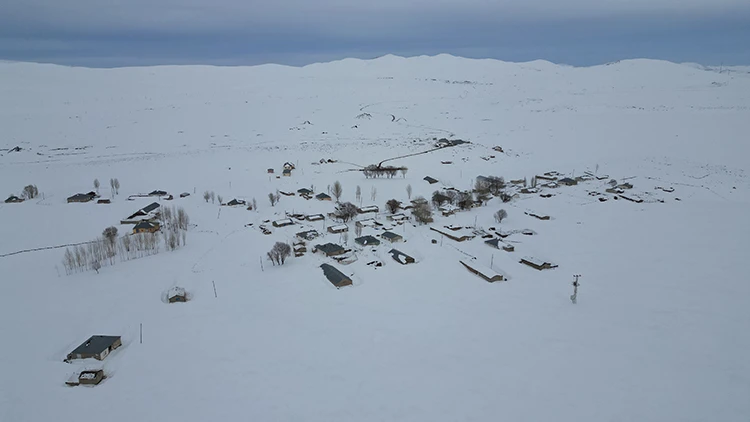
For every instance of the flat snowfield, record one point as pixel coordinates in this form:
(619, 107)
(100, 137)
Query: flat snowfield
(660, 331)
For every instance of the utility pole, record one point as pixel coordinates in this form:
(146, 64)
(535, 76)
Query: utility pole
(574, 296)
(214, 283)
(141, 333)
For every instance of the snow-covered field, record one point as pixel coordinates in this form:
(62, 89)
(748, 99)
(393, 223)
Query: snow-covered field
(659, 333)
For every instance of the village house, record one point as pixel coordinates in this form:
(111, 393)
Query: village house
(546, 176)
(625, 185)
(13, 199)
(91, 377)
(322, 197)
(305, 191)
(430, 180)
(308, 235)
(97, 347)
(339, 228)
(315, 217)
(158, 193)
(336, 277)
(367, 241)
(236, 202)
(369, 208)
(537, 263)
(286, 172)
(448, 209)
(397, 217)
(82, 197)
(283, 222)
(146, 227)
(567, 181)
(286, 193)
(288, 166)
(184, 195)
(176, 294)
(147, 213)
(330, 249)
(499, 244)
(498, 148)
(529, 190)
(486, 273)
(632, 198)
(368, 222)
(391, 237)
(458, 236)
(401, 257)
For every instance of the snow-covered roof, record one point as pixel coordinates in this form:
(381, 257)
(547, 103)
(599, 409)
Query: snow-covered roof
(370, 222)
(338, 227)
(283, 221)
(448, 208)
(486, 272)
(370, 208)
(536, 261)
(89, 375)
(398, 217)
(176, 292)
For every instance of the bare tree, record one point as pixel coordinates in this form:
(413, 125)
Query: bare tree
(403, 171)
(279, 253)
(408, 191)
(213, 197)
(96, 265)
(206, 196)
(422, 211)
(392, 205)
(110, 236)
(357, 230)
(373, 193)
(30, 192)
(345, 211)
(500, 215)
(183, 220)
(112, 186)
(358, 194)
(96, 185)
(272, 199)
(221, 200)
(337, 190)
(533, 182)
(117, 186)
(439, 198)
(255, 204)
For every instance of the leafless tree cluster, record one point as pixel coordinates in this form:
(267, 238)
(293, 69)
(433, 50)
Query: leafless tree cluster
(500, 216)
(30, 192)
(373, 193)
(102, 251)
(373, 171)
(279, 253)
(206, 196)
(490, 184)
(392, 205)
(345, 211)
(358, 194)
(220, 199)
(96, 185)
(273, 198)
(172, 217)
(422, 210)
(115, 185)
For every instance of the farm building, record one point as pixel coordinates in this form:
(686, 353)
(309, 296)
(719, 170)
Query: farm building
(146, 227)
(486, 273)
(540, 216)
(13, 199)
(235, 202)
(104, 201)
(367, 241)
(336, 277)
(269, 171)
(184, 195)
(625, 185)
(499, 244)
(176, 294)
(567, 181)
(147, 213)
(82, 197)
(370, 208)
(448, 209)
(398, 217)
(330, 249)
(323, 197)
(458, 236)
(286, 172)
(308, 235)
(283, 222)
(339, 228)
(430, 180)
(498, 148)
(158, 193)
(315, 217)
(97, 347)
(529, 190)
(304, 191)
(537, 263)
(391, 237)
(401, 257)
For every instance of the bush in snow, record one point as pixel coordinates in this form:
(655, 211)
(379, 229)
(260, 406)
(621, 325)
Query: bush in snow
(500, 215)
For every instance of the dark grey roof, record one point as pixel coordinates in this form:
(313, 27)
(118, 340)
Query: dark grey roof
(158, 193)
(567, 180)
(150, 207)
(430, 179)
(95, 345)
(367, 240)
(493, 242)
(144, 225)
(398, 255)
(236, 202)
(85, 196)
(333, 275)
(309, 234)
(305, 191)
(390, 235)
(329, 248)
(322, 195)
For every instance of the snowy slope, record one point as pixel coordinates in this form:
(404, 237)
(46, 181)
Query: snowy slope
(659, 331)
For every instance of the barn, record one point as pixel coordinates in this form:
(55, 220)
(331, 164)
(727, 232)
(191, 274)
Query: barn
(97, 347)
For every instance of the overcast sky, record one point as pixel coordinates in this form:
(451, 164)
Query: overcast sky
(577, 32)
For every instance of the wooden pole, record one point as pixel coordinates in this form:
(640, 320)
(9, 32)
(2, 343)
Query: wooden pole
(141, 333)
(214, 283)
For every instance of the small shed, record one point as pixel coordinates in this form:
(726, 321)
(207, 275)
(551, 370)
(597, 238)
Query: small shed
(158, 193)
(304, 191)
(184, 194)
(369, 208)
(315, 217)
(176, 294)
(368, 222)
(339, 228)
(269, 171)
(540, 216)
(104, 201)
(486, 273)
(97, 347)
(146, 227)
(336, 277)
(430, 180)
(235, 202)
(401, 257)
(567, 181)
(367, 241)
(283, 222)
(91, 377)
(537, 263)
(322, 197)
(391, 236)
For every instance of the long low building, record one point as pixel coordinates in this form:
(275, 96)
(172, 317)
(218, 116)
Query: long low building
(336, 277)
(486, 273)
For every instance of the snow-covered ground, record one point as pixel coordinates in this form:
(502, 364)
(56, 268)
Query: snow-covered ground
(659, 333)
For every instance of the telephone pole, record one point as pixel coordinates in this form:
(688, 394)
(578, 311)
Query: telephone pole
(574, 296)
